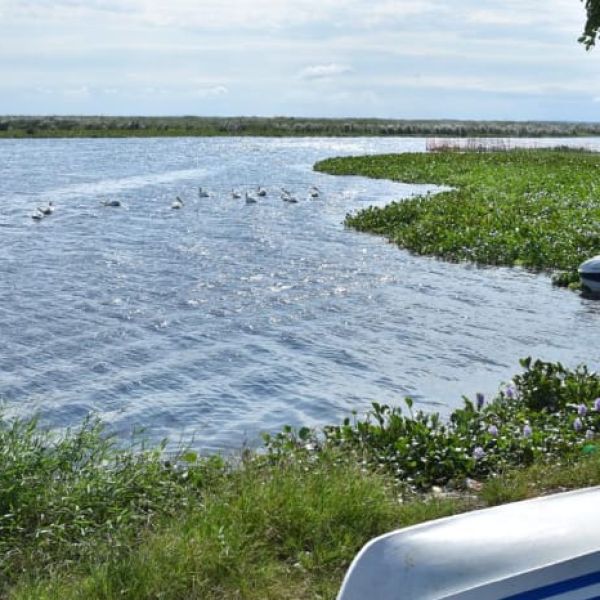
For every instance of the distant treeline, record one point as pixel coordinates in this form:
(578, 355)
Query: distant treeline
(99, 126)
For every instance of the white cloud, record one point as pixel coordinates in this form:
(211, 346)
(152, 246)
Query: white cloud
(324, 71)
(382, 12)
(492, 84)
(78, 93)
(551, 16)
(152, 91)
(217, 90)
(260, 15)
(286, 55)
(502, 17)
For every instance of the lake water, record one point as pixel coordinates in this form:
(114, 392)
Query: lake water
(222, 320)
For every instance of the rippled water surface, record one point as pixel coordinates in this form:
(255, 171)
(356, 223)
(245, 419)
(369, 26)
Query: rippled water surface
(223, 319)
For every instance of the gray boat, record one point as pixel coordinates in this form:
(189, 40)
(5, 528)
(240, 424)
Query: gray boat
(589, 274)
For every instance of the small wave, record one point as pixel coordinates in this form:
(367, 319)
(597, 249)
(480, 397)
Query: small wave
(113, 186)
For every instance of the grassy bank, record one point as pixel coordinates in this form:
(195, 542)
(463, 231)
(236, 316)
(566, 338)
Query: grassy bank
(81, 517)
(534, 208)
(135, 126)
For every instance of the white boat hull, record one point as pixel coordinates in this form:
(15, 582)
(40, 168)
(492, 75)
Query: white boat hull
(543, 548)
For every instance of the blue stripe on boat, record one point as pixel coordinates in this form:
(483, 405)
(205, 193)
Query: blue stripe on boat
(562, 587)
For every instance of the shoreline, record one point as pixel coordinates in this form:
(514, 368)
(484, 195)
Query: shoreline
(84, 518)
(19, 127)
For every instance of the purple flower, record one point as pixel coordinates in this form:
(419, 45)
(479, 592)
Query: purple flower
(478, 453)
(527, 431)
(589, 434)
(493, 430)
(597, 404)
(577, 424)
(480, 400)
(582, 410)
(510, 392)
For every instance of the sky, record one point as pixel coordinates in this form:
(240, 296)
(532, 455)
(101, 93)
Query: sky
(406, 59)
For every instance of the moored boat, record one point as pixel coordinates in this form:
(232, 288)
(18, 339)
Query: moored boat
(548, 547)
(589, 274)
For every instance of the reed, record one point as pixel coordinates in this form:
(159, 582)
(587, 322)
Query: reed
(480, 144)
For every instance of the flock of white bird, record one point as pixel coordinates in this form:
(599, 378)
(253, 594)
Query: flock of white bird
(284, 194)
(250, 198)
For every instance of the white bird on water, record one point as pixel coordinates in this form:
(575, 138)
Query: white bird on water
(261, 191)
(177, 204)
(235, 195)
(314, 191)
(287, 196)
(250, 199)
(202, 193)
(46, 210)
(42, 211)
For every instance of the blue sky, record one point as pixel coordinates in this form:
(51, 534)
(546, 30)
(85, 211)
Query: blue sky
(466, 59)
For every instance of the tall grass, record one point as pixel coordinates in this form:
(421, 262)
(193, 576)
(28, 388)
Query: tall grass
(81, 496)
(285, 529)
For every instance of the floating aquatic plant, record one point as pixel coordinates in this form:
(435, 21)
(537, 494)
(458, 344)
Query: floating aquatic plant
(533, 423)
(527, 208)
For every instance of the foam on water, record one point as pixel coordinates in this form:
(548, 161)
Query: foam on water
(124, 184)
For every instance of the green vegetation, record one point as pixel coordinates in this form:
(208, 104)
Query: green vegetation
(84, 518)
(592, 23)
(97, 126)
(547, 415)
(539, 209)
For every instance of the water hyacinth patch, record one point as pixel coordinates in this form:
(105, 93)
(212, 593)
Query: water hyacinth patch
(478, 453)
(534, 423)
(527, 208)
